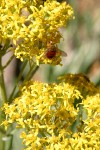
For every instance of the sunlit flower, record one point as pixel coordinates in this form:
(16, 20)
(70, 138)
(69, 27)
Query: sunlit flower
(31, 25)
(57, 116)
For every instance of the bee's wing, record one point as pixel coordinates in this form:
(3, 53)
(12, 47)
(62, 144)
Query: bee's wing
(64, 54)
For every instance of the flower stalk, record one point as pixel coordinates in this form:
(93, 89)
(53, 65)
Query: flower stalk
(2, 84)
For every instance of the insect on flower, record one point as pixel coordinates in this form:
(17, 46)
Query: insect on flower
(52, 50)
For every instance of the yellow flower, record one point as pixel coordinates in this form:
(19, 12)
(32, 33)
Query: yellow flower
(30, 25)
(57, 116)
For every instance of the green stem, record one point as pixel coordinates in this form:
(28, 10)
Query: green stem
(11, 142)
(2, 131)
(3, 97)
(10, 134)
(2, 83)
(17, 81)
(9, 61)
(31, 72)
(29, 75)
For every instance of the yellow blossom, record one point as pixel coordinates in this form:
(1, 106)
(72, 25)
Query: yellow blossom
(57, 116)
(30, 25)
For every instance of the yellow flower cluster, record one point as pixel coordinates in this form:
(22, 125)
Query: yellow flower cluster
(31, 25)
(59, 116)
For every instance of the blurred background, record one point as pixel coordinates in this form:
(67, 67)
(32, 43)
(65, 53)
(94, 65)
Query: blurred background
(81, 42)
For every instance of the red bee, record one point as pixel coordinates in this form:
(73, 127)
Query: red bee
(52, 51)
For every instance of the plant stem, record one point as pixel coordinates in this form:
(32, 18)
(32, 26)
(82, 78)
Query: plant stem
(31, 72)
(2, 131)
(2, 83)
(3, 97)
(29, 75)
(17, 81)
(11, 142)
(9, 61)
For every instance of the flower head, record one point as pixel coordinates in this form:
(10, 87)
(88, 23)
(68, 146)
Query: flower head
(30, 25)
(48, 113)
